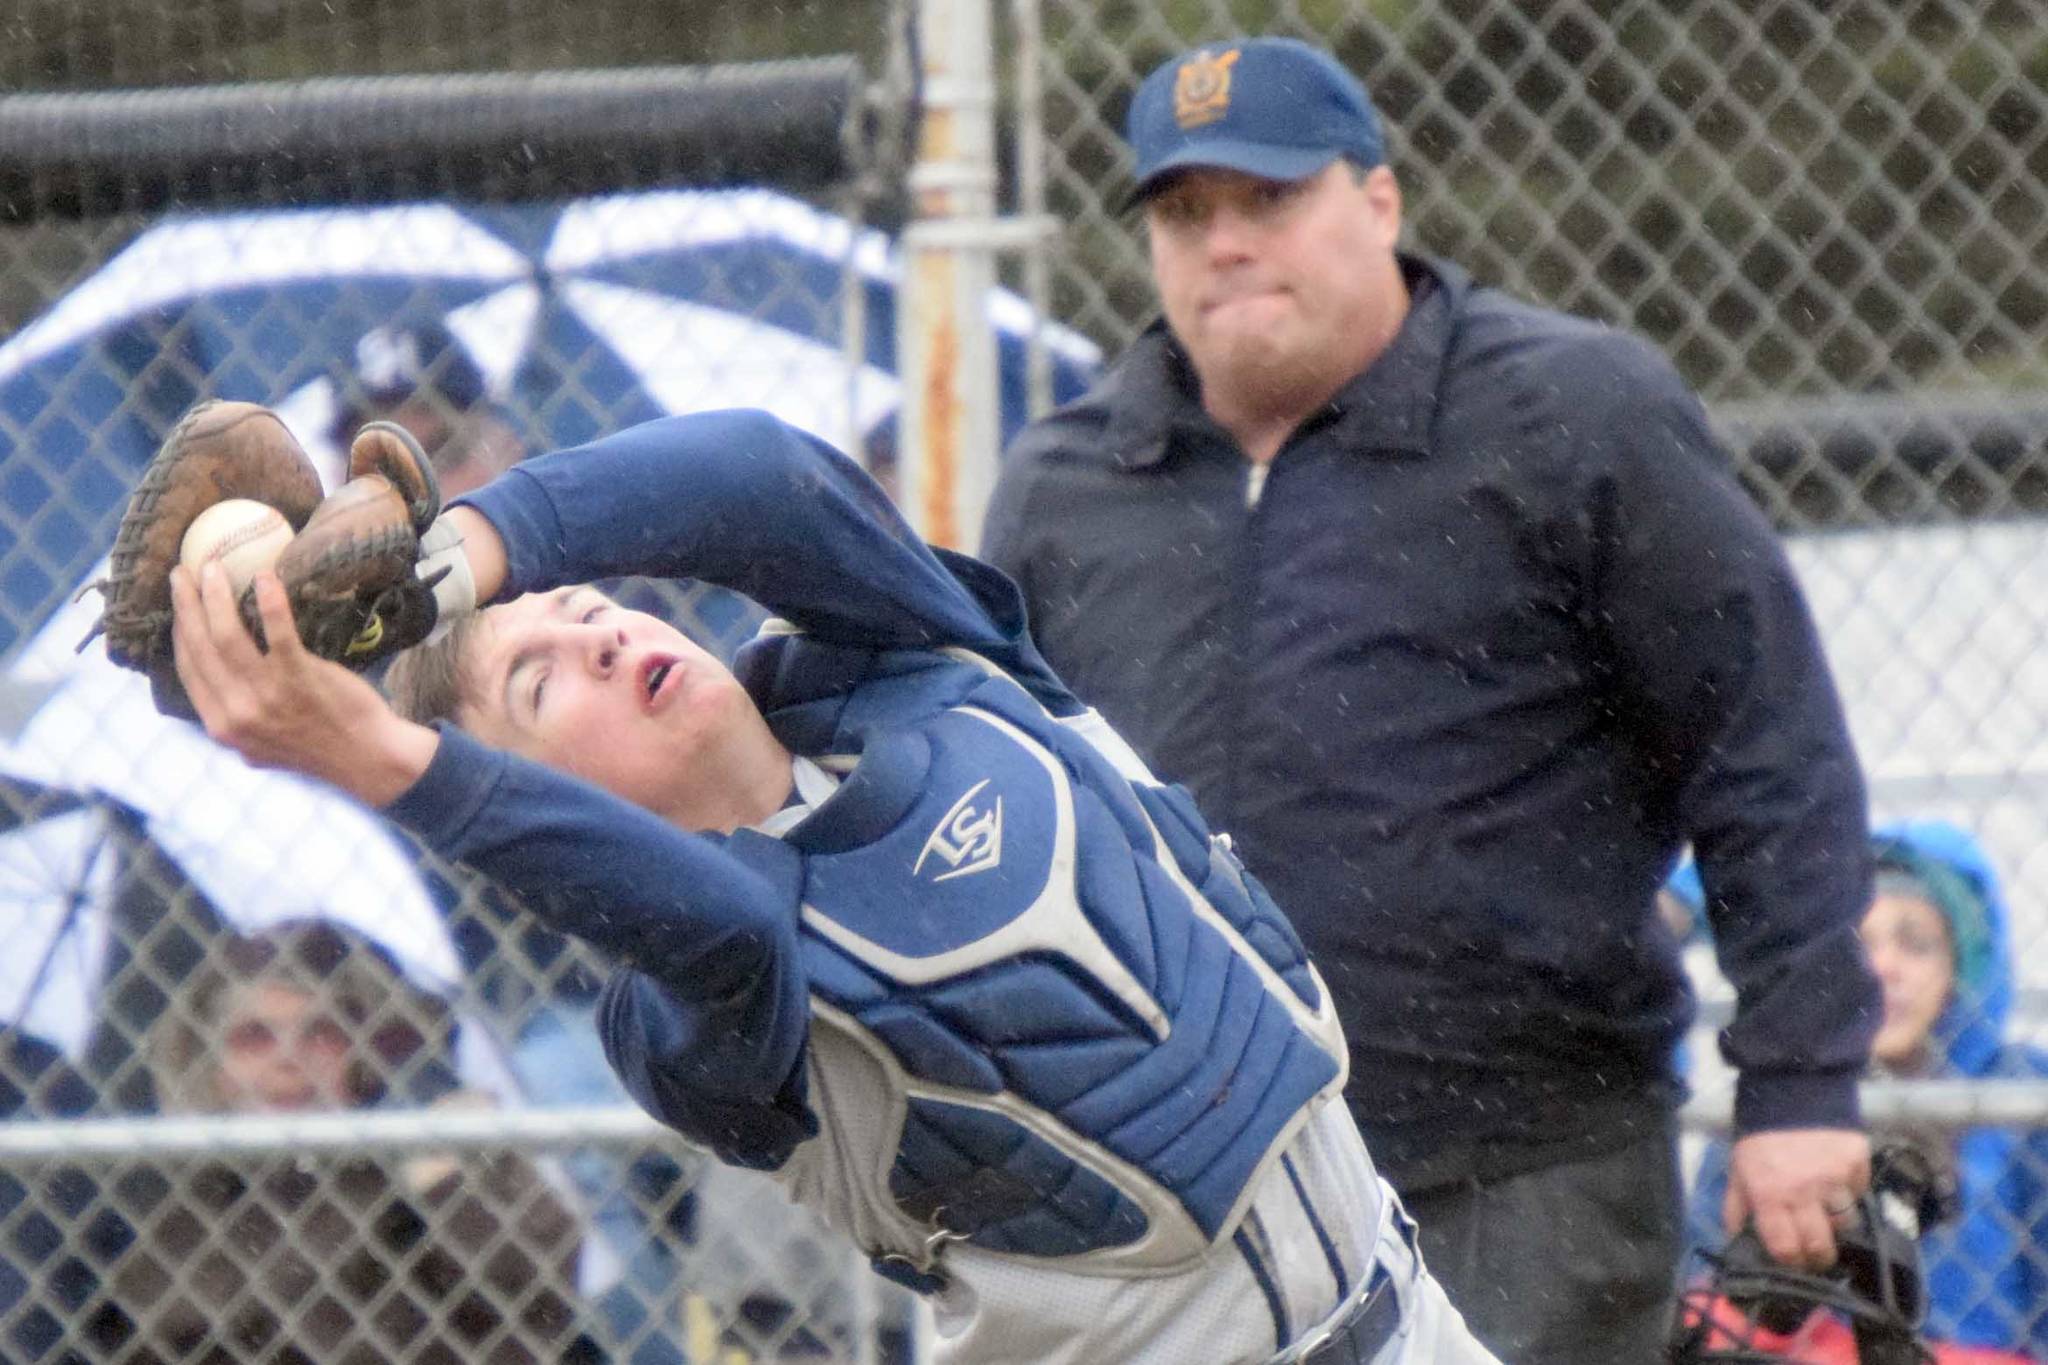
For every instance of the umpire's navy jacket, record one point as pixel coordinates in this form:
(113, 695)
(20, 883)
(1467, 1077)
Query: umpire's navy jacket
(1494, 635)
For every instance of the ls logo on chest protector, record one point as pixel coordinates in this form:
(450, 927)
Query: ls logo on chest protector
(969, 838)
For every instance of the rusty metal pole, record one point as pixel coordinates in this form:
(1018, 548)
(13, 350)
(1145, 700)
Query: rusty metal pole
(945, 347)
(1027, 23)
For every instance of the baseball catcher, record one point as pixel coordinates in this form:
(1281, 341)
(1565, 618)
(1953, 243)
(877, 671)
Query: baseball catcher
(348, 568)
(897, 919)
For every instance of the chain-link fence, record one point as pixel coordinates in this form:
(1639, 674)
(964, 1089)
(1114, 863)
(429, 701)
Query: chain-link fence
(1790, 198)
(1833, 216)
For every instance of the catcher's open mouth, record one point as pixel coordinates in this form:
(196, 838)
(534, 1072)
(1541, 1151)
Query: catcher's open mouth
(655, 673)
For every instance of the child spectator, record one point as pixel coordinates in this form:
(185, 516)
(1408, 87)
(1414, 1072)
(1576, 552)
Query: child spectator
(1939, 938)
(348, 1259)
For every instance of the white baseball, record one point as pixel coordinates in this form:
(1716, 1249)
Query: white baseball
(242, 535)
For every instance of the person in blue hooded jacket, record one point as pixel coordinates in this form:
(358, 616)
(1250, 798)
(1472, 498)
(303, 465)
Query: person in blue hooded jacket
(1939, 938)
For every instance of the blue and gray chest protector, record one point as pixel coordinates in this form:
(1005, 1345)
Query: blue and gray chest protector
(1104, 1029)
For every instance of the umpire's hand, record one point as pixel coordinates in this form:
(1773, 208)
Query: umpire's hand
(1797, 1185)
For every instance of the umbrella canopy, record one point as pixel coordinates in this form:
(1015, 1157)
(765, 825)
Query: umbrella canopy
(108, 905)
(56, 856)
(582, 318)
(262, 847)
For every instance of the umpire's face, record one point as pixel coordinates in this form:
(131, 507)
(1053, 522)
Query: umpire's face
(620, 698)
(1279, 290)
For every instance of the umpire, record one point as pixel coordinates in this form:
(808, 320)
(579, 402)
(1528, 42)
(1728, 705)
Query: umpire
(1452, 612)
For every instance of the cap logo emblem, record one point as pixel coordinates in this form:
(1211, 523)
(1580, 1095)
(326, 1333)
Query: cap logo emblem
(1201, 88)
(388, 359)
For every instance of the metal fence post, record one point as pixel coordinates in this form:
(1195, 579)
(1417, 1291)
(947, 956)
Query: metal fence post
(945, 351)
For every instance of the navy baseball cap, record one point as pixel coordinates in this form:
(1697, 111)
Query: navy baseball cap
(397, 361)
(1277, 108)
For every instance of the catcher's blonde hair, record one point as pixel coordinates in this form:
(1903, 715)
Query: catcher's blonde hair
(430, 682)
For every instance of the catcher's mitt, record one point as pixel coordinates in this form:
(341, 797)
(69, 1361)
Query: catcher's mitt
(348, 569)
(218, 450)
(350, 572)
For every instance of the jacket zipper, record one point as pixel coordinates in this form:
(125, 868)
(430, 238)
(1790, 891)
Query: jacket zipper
(1246, 596)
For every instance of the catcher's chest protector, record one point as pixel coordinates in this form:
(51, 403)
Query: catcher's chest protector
(1103, 1031)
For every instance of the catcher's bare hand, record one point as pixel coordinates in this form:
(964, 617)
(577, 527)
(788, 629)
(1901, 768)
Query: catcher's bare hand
(1797, 1185)
(285, 707)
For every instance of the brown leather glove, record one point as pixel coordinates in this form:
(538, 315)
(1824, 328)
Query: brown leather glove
(349, 569)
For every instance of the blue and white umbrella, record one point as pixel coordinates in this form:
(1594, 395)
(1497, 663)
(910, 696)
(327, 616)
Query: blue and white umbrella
(294, 852)
(583, 318)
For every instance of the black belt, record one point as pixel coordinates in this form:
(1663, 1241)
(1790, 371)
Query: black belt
(1371, 1316)
(1370, 1325)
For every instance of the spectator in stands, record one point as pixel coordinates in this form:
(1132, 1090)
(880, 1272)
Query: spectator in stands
(1939, 938)
(306, 1016)
(467, 1257)
(419, 375)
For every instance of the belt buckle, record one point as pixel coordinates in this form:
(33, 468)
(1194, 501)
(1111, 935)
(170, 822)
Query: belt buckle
(1379, 1281)
(921, 1273)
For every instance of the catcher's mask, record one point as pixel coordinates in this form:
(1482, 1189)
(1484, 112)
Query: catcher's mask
(1875, 1284)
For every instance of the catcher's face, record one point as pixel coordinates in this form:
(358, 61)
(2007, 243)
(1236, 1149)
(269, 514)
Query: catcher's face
(1279, 291)
(620, 698)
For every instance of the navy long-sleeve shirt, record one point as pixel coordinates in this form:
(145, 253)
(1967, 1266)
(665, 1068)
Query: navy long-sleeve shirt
(1088, 1053)
(1498, 635)
(741, 500)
